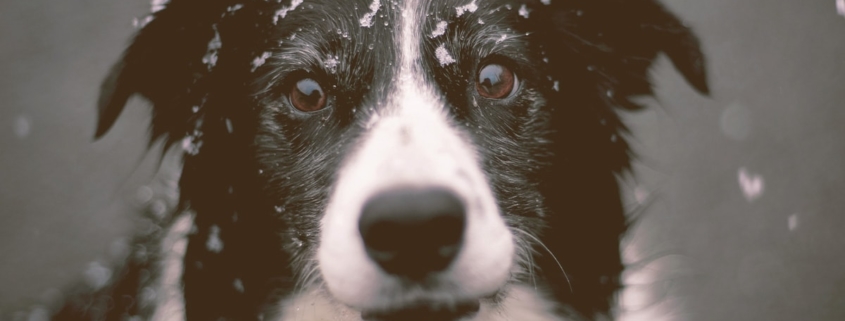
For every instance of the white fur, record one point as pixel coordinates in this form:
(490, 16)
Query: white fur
(169, 294)
(412, 142)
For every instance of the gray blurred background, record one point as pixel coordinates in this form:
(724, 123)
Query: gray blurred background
(744, 188)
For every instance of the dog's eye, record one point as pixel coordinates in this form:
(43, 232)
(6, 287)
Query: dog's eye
(495, 81)
(307, 95)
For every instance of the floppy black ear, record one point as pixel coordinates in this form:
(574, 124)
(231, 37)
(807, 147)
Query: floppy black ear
(599, 56)
(622, 38)
(164, 64)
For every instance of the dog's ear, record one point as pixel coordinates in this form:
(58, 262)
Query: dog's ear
(599, 56)
(164, 64)
(620, 39)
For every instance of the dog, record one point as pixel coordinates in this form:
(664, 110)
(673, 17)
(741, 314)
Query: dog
(387, 159)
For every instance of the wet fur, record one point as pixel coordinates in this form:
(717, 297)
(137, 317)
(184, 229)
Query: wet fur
(262, 177)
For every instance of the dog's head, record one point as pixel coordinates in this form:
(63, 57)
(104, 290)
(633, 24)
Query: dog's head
(394, 158)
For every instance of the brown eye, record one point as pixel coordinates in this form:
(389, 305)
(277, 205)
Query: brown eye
(307, 95)
(495, 81)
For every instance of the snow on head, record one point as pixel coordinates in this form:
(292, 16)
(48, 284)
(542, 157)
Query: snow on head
(281, 13)
(367, 20)
(440, 29)
(523, 11)
(502, 38)
(471, 7)
(331, 64)
(546, 2)
(443, 56)
(260, 60)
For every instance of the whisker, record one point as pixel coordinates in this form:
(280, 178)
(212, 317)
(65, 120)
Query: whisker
(308, 277)
(529, 259)
(532, 269)
(537, 240)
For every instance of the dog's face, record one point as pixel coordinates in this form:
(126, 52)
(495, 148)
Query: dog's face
(442, 160)
(387, 131)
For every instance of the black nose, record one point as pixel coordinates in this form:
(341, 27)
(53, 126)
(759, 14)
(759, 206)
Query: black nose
(413, 232)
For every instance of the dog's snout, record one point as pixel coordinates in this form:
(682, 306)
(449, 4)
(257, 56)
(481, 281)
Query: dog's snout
(413, 232)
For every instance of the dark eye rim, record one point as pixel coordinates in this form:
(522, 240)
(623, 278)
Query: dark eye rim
(504, 62)
(292, 79)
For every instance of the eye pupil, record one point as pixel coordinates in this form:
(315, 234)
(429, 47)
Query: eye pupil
(307, 95)
(495, 81)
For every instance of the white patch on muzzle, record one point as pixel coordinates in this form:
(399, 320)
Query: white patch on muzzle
(412, 143)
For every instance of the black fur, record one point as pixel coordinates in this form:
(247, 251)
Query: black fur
(261, 173)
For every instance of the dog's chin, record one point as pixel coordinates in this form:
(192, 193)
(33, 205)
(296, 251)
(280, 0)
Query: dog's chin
(463, 311)
(516, 302)
(319, 304)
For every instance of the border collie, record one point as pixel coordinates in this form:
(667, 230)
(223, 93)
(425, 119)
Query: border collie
(387, 159)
